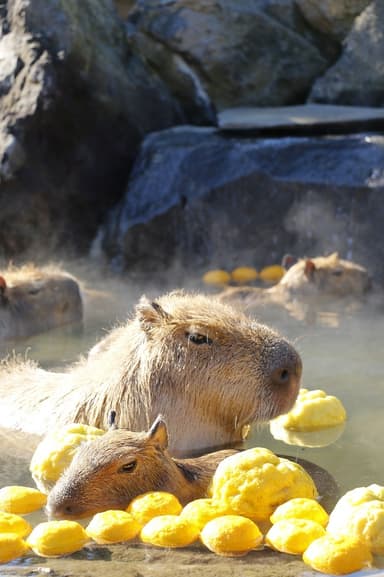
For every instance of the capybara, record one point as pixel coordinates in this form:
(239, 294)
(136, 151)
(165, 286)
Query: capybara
(34, 300)
(109, 472)
(312, 281)
(210, 370)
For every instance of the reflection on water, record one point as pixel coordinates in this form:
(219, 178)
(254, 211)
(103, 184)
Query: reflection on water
(344, 358)
(320, 438)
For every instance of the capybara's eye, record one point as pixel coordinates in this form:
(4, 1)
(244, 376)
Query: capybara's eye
(198, 339)
(128, 467)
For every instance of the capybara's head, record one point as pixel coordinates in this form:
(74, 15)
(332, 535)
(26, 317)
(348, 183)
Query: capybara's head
(110, 471)
(222, 365)
(328, 276)
(34, 300)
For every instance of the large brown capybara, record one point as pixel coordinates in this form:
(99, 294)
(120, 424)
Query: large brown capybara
(34, 300)
(309, 283)
(210, 370)
(110, 471)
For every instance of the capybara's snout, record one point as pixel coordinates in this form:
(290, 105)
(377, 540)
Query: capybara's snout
(289, 374)
(285, 374)
(60, 506)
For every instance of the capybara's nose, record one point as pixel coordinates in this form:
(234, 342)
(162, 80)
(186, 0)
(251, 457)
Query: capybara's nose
(60, 510)
(287, 374)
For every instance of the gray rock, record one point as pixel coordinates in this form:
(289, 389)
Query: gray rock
(124, 7)
(226, 201)
(358, 76)
(224, 53)
(308, 119)
(74, 106)
(332, 17)
(12, 156)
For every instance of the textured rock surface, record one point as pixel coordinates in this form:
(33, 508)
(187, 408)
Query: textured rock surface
(358, 76)
(229, 53)
(200, 199)
(81, 87)
(74, 105)
(332, 17)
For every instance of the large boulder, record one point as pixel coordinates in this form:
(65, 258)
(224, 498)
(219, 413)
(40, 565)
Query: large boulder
(332, 17)
(74, 105)
(215, 54)
(198, 198)
(358, 76)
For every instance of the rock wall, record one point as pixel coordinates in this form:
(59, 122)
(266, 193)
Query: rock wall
(198, 198)
(358, 75)
(74, 105)
(83, 83)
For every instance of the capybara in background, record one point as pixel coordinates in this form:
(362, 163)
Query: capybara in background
(210, 370)
(34, 300)
(110, 471)
(307, 283)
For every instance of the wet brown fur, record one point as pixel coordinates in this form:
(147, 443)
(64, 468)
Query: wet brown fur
(208, 392)
(96, 479)
(34, 300)
(309, 282)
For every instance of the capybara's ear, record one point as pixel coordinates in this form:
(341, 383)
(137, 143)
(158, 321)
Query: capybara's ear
(3, 292)
(333, 258)
(158, 432)
(150, 313)
(309, 269)
(288, 260)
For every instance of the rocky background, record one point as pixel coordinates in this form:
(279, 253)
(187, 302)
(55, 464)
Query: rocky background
(111, 143)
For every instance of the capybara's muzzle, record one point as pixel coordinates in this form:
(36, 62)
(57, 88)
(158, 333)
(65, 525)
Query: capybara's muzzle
(285, 376)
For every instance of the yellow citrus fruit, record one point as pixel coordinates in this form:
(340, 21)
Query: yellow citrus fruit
(358, 496)
(152, 504)
(301, 508)
(12, 546)
(313, 410)
(21, 500)
(272, 274)
(169, 531)
(56, 451)
(364, 522)
(293, 535)
(244, 274)
(254, 482)
(337, 555)
(112, 527)
(11, 523)
(231, 535)
(217, 277)
(55, 538)
(200, 511)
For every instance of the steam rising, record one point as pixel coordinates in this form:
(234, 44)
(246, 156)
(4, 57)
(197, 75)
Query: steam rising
(322, 225)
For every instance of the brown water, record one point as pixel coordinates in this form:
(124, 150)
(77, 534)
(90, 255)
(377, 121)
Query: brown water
(342, 355)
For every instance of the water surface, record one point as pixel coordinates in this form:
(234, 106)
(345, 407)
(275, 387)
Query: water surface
(341, 355)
